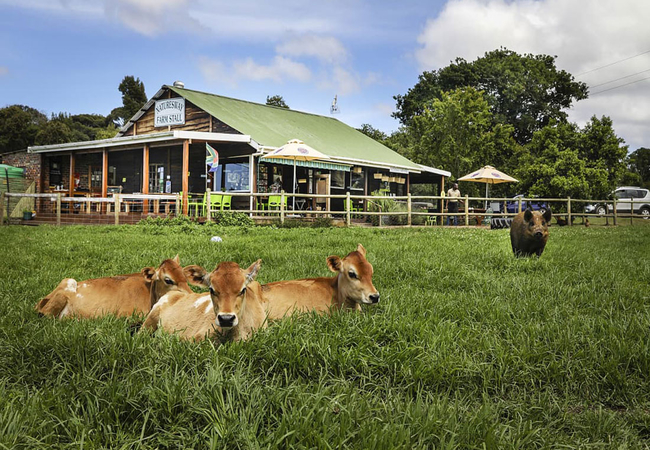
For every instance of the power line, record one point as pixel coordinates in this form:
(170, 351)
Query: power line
(622, 85)
(617, 79)
(611, 64)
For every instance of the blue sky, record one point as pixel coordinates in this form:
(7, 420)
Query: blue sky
(70, 55)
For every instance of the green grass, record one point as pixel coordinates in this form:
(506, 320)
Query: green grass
(468, 348)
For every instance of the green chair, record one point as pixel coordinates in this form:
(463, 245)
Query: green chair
(215, 202)
(197, 205)
(226, 201)
(431, 220)
(275, 200)
(353, 208)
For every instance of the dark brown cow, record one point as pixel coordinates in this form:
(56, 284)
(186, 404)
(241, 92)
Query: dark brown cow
(121, 295)
(351, 287)
(232, 308)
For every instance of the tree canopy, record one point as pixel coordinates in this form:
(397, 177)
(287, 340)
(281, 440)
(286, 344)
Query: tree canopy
(276, 100)
(19, 125)
(133, 98)
(525, 91)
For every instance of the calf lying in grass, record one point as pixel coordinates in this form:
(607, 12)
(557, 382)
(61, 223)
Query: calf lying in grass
(351, 287)
(121, 295)
(232, 308)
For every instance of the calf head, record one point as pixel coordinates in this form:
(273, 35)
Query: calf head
(355, 276)
(169, 276)
(228, 284)
(537, 224)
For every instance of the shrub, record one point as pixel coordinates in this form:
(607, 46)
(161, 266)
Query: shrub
(233, 219)
(322, 222)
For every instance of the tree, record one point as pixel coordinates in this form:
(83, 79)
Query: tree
(19, 125)
(373, 133)
(527, 92)
(602, 149)
(276, 100)
(639, 163)
(133, 98)
(54, 132)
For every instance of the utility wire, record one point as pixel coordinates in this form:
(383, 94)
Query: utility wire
(611, 64)
(617, 79)
(616, 87)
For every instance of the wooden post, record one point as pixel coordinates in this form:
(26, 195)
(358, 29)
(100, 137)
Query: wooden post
(2, 209)
(282, 207)
(347, 208)
(145, 177)
(632, 212)
(178, 204)
(116, 198)
(568, 209)
(207, 207)
(186, 169)
(607, 214)
(519, 201)
(466, 210)
(408, 208)
(58, 209)
(71, 174)
(104, 179)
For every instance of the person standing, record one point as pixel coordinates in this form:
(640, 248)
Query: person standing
(453, 197)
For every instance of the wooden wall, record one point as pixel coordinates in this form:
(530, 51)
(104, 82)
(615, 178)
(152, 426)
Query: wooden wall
(196, 119)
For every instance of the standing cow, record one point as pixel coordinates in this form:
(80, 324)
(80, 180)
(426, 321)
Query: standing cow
(529, 232)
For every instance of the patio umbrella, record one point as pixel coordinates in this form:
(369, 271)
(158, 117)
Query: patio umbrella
(488, 175)
(296, 150)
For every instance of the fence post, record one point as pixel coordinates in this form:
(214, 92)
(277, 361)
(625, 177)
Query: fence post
(519, 201)
(58, 209)
(282, 207)
(632, 212)
(347, 208)
(208, 205)
(116, 207)
(607, 215)
(466, 210)
(2, 209)
(568, 209)
(178, 205)
(408, 208)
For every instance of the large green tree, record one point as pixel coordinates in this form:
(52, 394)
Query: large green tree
(133, 98)
(373, 132)
(54, 132)
(525, 91)
(639, 163)
(19, 125)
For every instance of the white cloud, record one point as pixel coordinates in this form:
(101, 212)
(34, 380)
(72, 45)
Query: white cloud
(325, 48)
(152, 17)
(4, 71)
(583, 36)
(280, 69)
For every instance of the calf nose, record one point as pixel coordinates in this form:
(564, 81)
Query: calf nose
(538, 234)
(226, 320)
(374, 298)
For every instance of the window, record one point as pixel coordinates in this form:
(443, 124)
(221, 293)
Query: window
(338, 179)
(236, 176)
(358, 181)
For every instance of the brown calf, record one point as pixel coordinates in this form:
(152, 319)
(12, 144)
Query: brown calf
(351, 287)
(120, 295)
(233, 307)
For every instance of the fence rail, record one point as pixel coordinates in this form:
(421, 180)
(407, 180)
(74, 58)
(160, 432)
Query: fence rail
(379, 210)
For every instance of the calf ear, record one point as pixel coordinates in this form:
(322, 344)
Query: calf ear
(548, 215)
(251, 272)
(361, 250)
(148, 273)
(195, 275)
(528, 214)
(334, 263)
(176, 259)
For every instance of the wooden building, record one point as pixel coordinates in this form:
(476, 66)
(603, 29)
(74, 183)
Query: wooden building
(162, 149)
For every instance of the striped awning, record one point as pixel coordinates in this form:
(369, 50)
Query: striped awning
(312, 164)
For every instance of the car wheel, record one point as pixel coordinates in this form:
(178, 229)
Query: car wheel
(645, 212)
(601, 210)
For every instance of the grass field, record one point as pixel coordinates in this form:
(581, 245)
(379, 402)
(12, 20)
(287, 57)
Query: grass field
(468, 348)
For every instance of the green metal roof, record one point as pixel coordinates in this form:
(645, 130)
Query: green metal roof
(272, 127)
(7, 171)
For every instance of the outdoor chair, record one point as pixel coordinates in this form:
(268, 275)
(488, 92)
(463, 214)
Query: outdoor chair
(274, 202)
(198, 205)
(214, 203)
(431, 221)
(353, 208)
(226, 201)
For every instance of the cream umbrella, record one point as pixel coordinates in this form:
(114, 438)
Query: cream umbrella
(296, 150)
(488, 175)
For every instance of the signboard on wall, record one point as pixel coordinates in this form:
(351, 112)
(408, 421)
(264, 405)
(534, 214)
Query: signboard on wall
(169, 112)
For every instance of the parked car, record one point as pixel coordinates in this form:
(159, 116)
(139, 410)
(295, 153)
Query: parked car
(513, 205)
(624, 196)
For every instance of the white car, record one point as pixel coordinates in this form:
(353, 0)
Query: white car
(625, 197)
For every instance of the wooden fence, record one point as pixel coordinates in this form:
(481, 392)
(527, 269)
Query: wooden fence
(379, 210)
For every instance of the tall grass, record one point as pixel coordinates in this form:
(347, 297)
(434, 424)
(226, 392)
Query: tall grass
(468, 348)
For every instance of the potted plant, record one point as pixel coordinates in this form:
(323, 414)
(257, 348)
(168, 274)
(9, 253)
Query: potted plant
(27, 214)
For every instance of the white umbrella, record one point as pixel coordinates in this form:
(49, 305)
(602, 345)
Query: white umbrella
(296, 150)
(488, 175)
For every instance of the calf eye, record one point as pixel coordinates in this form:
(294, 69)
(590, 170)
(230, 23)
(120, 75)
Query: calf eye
(351, 274)
(168, 281)
(243, 291)
(212, 292)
